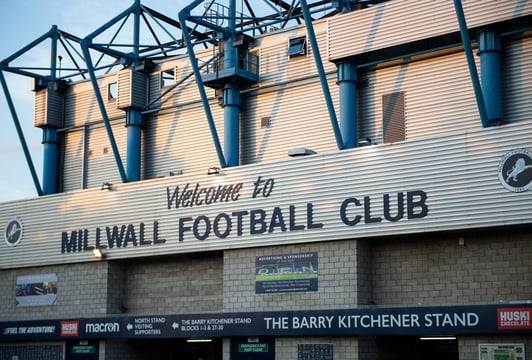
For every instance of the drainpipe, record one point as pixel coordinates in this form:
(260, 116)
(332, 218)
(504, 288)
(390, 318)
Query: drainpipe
(134, 138)
(347, 81)
(50, 141)
(231, 97)
(50, 138)
(134, 116)
(489, 51)
(231, 105)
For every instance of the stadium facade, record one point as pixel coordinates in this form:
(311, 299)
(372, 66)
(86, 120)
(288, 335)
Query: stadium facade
(369, 200)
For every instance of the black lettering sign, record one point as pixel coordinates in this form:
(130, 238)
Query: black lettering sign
(196, 195)
(351, 213)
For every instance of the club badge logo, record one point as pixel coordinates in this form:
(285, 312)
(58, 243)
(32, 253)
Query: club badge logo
(13, 232)
(515, 170)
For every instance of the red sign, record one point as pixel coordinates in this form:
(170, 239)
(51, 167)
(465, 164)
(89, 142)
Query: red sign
(514, 318)
(70, 328)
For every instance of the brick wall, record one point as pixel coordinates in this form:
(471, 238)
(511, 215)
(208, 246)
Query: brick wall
(435, 269)
(468, 345)
(344, 348)
(32, 351)
(180, 285)
(82, 289)
(337, 279)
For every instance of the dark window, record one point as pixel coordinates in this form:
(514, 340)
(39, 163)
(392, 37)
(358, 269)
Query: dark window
(393, 117)
(112, 91)
(297, 47)
(167, 77)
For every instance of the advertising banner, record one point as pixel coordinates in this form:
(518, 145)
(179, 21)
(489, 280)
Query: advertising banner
(475, 319)
(286, 273)
(36, 290)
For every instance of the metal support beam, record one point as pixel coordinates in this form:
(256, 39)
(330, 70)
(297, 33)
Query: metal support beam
(85, 43)
(20, 134)
(183, 15)
(321, 72)
(471, 62)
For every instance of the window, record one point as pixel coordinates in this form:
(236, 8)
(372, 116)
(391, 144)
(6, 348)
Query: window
(112, 91)
(297, 47)
(393, 117)
(167, 77)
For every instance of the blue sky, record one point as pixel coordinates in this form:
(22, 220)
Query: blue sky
(20, 23)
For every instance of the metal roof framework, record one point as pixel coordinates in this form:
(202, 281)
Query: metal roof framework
(155, 36)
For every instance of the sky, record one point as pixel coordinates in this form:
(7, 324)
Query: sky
(21, 22)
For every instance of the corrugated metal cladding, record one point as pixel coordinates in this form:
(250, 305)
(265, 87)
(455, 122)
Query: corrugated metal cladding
(457, 173)
(132, 87)
(437, 90)
(100, 162)
(399, 22)
(298, 118)
(517, 79)
(48, 108)
(87, 154)
(186, 91)
(438, 100)
(438, 97)
(88, 157)
(275, 64)
(81, 107)
(393, 121)
(170, 138)
(74, 164)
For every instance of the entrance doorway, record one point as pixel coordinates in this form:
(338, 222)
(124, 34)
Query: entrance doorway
(417, 348)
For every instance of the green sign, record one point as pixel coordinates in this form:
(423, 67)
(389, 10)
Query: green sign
(88, 349)
(253, 348)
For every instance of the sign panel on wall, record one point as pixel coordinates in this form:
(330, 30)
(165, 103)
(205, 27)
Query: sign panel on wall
(315, 352)
(501, 352)
(369, 192)
(36, 290)
(286, 273)
(430, 320)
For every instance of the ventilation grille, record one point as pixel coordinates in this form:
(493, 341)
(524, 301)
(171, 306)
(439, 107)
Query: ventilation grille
(393, 117)
(265, 122)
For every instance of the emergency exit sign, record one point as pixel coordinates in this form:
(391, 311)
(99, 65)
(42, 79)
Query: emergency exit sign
(253, 348)
(83, 349)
